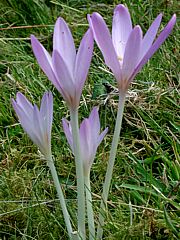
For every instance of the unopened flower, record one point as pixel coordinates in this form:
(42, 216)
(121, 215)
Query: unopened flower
(90, 137)
(37, 123)
(66, 69)
(127, 51)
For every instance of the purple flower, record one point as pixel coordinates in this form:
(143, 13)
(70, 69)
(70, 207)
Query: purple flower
(127, 51)
(90, 137)
(36, 123)
(66, 69)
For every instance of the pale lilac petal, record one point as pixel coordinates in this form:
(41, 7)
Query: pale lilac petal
(94, 122)
(121, 29)
(96, 143)
(85, 138)
(150, 35)
(87, 145)
(44, 60)
(83, 61)
(46, 113)
(44, 144)
(37, 122)
(64, 77)
(26, 123)
(50, 111)
(159, 41)
(27, 126)
(68, 133)
(44, 103)
(101, 136)
(103, 39)
(132, 53)
(24, 104)
(23, 117)
(63, 42)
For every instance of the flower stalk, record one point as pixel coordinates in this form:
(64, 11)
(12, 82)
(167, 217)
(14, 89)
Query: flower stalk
(50, 164)
(108, 177)
(79, 174)
(90, 213)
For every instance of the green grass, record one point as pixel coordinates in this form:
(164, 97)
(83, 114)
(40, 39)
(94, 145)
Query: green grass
(144, 197)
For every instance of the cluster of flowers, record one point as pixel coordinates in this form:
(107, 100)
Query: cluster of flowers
(125, 53)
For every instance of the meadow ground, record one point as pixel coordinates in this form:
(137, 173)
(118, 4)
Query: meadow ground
(144, 197)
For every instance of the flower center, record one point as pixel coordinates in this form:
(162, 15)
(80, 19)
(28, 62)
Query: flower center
(120, 58)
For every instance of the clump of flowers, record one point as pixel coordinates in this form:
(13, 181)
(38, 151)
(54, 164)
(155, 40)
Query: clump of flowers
(125, 53)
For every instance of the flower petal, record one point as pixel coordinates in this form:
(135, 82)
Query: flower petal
(45, 61)
(150, 35)
(46, 114)
(121, 29)
(64, 77)
(63, 43)
(44, 144)
(68, 133)
(38, 123)
(101, 136)
(94, 122)
(83, 61)
(132, 52)
(103, 39)
(85, 138)
(161, 38)
(24, 104)
(26, 123)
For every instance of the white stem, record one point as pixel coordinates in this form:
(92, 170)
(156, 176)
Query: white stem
(50, 163)
(90, 213)
(110, 166)
(79, 174)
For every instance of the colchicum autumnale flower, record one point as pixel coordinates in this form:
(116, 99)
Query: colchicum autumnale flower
(37, 123)
(90, 137)
(66, 69)
(127, 51)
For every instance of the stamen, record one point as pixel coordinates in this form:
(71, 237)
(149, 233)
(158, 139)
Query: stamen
(120, 58)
